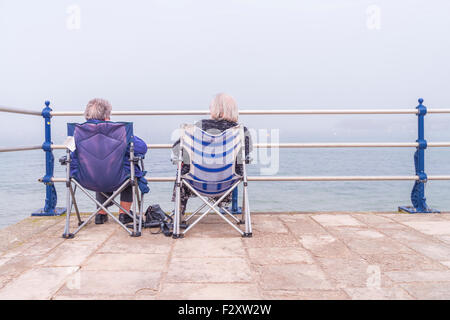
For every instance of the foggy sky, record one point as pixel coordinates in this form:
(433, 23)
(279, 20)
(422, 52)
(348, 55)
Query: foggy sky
(267, 54)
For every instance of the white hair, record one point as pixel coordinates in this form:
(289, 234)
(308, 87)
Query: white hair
(98, 109)
(224, 107)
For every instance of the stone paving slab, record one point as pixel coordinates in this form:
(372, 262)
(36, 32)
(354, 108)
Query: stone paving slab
(203, 248)
(403, 261)
(270, 225)
(290, 256)
(376, 246)
(325, 246)
(419, 276)
(429, 290)
(302, 225)
(120, 242)
(68, 254)
(294, 277)
(209, 291)
(14, 267)
(432, 249)
(25, 230)
(112, 283)
(445, 238)
(350, 272)
(306, 295)
(258, 256)
(36, 283)
(189, 269)
(126, 261)
(431, 227)
(394, 293)
(332, 220)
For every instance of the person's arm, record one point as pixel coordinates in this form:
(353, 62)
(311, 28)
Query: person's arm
(140, 147)
(176, 152)
(248, 144)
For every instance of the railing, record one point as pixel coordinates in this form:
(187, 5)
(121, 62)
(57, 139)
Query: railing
(420, 178)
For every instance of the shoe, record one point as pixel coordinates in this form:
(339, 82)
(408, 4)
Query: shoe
(101, 218)
(124, 218)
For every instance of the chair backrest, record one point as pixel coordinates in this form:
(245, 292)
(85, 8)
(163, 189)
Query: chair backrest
(213, 158)
(101, 151)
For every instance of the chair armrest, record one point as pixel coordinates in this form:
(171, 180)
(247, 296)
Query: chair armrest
(63, 160)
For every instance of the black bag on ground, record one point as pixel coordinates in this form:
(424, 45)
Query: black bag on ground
(155, 217)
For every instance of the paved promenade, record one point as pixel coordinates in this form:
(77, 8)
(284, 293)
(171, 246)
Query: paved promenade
(291, 256)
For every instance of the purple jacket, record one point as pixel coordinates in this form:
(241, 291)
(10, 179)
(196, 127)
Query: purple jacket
(140, 149)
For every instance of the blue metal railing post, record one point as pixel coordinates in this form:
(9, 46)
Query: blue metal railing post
(50, 208)
(420, 170)
(418, 192)
(235, 209)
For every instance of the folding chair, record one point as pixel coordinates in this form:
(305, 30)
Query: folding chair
(101, 151)
(212, 175)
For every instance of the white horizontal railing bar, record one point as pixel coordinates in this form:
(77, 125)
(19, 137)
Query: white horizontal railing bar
(21, 111)
(160, 146)
(305, 178)
(314, 145)
(443, 177)
(135, 113)
(151, 179)
(242, 112)
(4, 149)
(337, 145)
(331, 178)
(438, 144)
(438, 110)
(150, 146)
(247, 112)
(58, 146)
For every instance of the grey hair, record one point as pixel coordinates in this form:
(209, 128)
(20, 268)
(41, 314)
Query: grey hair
(98, 109)
(224, 107)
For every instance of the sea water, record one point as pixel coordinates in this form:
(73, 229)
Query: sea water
(21, 193)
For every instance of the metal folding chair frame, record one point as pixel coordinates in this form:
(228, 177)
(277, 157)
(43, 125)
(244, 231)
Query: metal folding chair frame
(139, 201)
(210, 202)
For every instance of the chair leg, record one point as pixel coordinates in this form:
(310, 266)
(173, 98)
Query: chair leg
(231, 215)
(212, 206)
(243, 207)
(141, 213)
(103, 205)
(135, 232)
(67, 234)
(74, 201)
(248, 222)
(140, 204)
(176, 222)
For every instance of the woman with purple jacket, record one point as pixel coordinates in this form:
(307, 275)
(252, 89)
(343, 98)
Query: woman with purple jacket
(99, 110)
